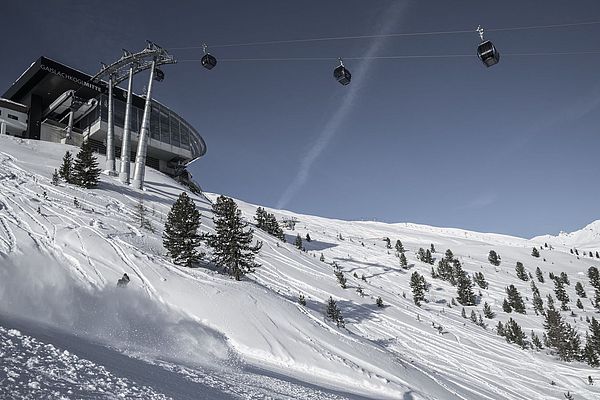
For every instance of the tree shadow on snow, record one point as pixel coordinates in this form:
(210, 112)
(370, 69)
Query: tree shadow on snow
(313, 245)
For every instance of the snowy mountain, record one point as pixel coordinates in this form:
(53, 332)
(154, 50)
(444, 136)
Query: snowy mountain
(67, 331)
(586, 238)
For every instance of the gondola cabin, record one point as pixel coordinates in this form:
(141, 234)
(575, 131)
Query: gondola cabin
(342, 75)
(488, 54)
(208, 61)
(159, 75)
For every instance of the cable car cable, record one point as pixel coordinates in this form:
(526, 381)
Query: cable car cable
(398, 57)
(331, 38)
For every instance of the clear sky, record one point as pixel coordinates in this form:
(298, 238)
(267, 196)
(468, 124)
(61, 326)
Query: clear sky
(447, 142)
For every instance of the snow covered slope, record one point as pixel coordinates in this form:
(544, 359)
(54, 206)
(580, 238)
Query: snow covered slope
(587, 238)
(59, 265)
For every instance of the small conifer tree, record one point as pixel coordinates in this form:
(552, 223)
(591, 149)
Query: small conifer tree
(539, 275)
(418, 286)
(494, 258)
(66, 168)
(487, 311)
(535, 252)
(298, 242)
(301, 299)
(579, 290)
(85, 167)
(399, 247)
(521, 274)
(55, 178)
(403, 261)
(379, 302)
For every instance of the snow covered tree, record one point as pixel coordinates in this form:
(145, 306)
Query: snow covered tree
(535, 340)
(500, 328)
(535, 252)
(487, 311)
(399, 247)
(480, 280)
(515, 300)
(579, 290)
(473, 317)
(261, 218)
(539, 275)
(85, 167)
(418, 286)
(595, 334)
(55, 178)
(231, 243)
(66, 168)
(340, 277)
(494, 258)
(180, 236)
(464, 289)
(564, 278)
(579, 304)
(403, 261)
(421, 254)
(298, 242)
(521, 274)
(432, 248)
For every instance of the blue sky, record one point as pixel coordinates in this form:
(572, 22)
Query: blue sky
(447, 142)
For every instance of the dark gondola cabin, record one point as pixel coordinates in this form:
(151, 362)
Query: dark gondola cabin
(209, 61)
(342, 75)
(158, 75)
(488, 54)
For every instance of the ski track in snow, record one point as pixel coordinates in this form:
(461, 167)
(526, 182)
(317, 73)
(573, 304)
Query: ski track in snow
(383, 352)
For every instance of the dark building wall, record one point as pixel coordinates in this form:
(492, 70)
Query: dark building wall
(35, 117)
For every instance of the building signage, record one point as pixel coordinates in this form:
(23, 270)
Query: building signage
(79, 81)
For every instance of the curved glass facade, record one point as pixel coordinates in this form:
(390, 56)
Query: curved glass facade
(165, 125)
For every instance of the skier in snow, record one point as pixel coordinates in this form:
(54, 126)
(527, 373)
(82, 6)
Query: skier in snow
(123, 281)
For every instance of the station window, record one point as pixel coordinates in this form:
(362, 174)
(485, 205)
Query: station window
(13, 117)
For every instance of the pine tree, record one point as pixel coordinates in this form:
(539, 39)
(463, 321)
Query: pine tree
(399, 247)
(463, 313)
(231, 244)
(500, 328)
(560, 335)
(140, 217)
(379, 302)
(449, 256)
(590, 354)
(180, 236)
(418, 286)
(66, 168)
(473, 316)
(561, 293)
(579, 290)
(564, 278)
(340, 277)
(579, 304)
(333, 313)
(539, 275)
(55, 178)
(487, 311)
(535, 252)
(428, 257)
(506, 306)
(308, 239)
(403, 261)
(521, 274)
(261, 218)
(494, 258)
(480, 280)
(514, 334)
(301, 300)
(85, 167)
(515, 299)
(535, 339)
(298, 242)
(538, 303)
(595, 334)
(421, 254)
(464, 290)
(388, 243)
(432, 248)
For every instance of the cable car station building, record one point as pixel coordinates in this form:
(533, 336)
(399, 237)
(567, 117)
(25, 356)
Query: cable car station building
(53, 102)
